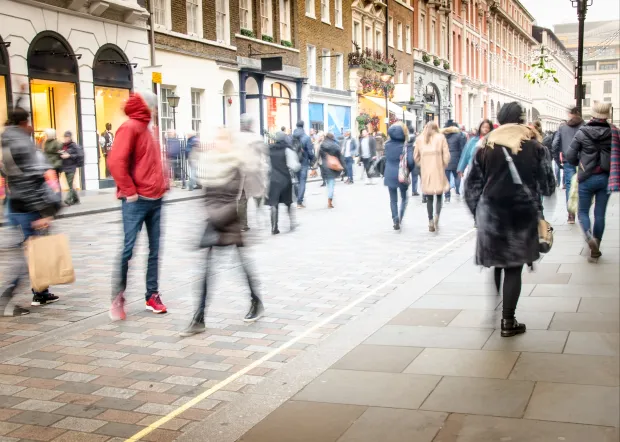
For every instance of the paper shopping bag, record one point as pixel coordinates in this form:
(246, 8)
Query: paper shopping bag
(49, 261)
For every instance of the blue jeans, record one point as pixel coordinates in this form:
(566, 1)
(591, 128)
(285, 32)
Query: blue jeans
(457, 182)
(147, 212)
(569, 171)
(397, 217)
(331, 183)
(414, 182)
(595, 186)
(558, 173)
(302, 175)
(348, 163)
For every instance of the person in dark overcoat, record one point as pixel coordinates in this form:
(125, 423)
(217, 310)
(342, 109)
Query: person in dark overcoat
(280, 181)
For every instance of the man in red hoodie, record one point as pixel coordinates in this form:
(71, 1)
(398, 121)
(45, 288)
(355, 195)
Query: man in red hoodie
(135, 164)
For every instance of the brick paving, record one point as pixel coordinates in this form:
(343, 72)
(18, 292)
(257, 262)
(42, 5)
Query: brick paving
(67, 373)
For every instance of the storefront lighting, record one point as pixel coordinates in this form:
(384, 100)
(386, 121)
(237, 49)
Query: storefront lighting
(173, 102)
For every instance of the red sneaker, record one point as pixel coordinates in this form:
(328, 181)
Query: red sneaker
(155, 305)
(117, 309)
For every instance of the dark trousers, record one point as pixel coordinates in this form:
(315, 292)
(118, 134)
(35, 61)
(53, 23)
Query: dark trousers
(72, 197)
(569, 171)
(429, 205)
(414, 181)
(348, 162)
(142, 212)
(594, 187)
(512, 289)
(457, 182)
(396, 216)
(199, 315)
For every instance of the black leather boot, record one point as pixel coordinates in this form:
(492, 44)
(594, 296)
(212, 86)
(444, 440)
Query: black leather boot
(274, 220)
(510, 327)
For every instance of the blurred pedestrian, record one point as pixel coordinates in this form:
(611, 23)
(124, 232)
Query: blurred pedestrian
(319, 138)
(395, 147)
(173, 153)
(223, 177)
(367, 153)
(302, 144)
(52, 149)
(472, 146)
(548, 143)
(349, 151)
(561, 143)
(591, 151)
(456, 143)
(508, 205)
(333, 165)
(192, 143)
(70, 162)
(31, 207)
(280, 182)
(136, 166)
(433, 155)
(255, 180)
(415, 171)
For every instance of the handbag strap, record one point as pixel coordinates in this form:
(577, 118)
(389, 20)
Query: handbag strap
(516, 178)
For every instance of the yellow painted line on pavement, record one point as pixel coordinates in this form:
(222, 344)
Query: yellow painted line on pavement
(204, 395)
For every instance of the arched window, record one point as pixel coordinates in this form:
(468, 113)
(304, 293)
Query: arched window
(280, 91)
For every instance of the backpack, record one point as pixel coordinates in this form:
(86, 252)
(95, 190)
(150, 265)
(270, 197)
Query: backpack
(298, 148)
(80, 155)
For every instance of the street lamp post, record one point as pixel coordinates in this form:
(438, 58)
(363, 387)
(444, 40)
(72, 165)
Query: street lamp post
(173, 102)
(385, 78)
(582, 9)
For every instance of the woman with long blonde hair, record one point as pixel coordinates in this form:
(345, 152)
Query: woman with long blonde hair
(431, 153)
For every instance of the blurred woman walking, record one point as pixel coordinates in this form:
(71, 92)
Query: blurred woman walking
(333, 165)
(472, 146)
(280, 182)
(431, 153)
(395, 148)
(506, 202)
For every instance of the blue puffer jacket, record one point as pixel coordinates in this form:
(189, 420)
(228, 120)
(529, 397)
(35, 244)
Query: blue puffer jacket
(456, 143)
(393, 152)
(468, 154)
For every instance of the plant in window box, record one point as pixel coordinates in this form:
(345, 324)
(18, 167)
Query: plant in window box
(411, 100)
(248, 33)
(286, 43)
(267, 38)
(446, 65)
(379, 56)
(426, 58)
(436, 61)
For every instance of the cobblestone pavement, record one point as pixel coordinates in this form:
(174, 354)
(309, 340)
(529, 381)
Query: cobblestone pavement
(68, 374)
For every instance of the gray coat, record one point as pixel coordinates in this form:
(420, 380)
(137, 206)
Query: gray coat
(564, 137)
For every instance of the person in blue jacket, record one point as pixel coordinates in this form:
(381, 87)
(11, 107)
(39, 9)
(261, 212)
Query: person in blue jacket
(398, 139)
(470, 148)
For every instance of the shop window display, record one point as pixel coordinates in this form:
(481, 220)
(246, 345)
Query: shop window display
(109, 103)
(54, 106)
(279, 108)
(3, 102)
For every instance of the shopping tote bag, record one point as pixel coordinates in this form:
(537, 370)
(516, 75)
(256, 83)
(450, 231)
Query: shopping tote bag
(49, 261)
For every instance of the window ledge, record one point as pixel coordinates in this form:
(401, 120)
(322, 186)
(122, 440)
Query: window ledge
(327, 22)
(339, 27)
(312, 16)
(275, 45)
(192, 38)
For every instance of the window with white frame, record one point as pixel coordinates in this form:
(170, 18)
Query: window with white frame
(221, 21)
(409, 78)
(357, 33)
(408, 39)
(265, 18)
(194, 17)
(166, 111)
(399, 36)
(399, 76)
(285, 20)
(310, 11)
(326, 69)
(368, 37)
(196, 101)
(245, 14)
(325, 11)
(390, 31)
(378, 40)
(432, 38)
(339, 71)
(338, 12)
(422, 29)
(311, 64)
(160, 12)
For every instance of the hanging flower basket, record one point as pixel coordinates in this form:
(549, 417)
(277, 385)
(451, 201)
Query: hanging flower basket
(426, 58)
(436, 61)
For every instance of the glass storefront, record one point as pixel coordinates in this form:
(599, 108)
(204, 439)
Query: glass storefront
(3, 102)
(279, 108)
(109, 104)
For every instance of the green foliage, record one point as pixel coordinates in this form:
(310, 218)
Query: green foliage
(540, 72)
(286, 43)
(248, 33)
(426, 58)
(267, 38)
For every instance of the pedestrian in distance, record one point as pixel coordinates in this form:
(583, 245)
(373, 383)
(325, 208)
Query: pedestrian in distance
(52, 149)
(548, 143)
(136, 166)
(174, 155)
(415, 171)
(472, 146)
(367, 153)
(225, 170)
(333, 164)
(318, 140)
(432, 153)
(456, 143)
(255, 182)
(31, 207)
(302, 144)
(70, 156)
(280, 182)
(561, 144)
(395, 148)
(192, 143)
(349, 151)
(507, 207)
(590, 150)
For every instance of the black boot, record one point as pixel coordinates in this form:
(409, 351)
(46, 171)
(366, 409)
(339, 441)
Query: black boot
(274, 220)
(196, 326)
(291, 217)
(256, 310)
(510, 327)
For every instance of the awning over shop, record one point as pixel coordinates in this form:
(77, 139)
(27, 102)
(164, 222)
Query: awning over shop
(392, 107)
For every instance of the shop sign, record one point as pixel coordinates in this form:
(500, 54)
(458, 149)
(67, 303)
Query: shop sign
(156, 76)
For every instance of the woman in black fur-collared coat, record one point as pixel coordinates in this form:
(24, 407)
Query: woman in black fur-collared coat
(506, 216)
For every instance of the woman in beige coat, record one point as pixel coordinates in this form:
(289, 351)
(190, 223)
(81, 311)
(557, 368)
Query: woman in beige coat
(432, 155)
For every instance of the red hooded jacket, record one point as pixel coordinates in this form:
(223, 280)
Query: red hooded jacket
(135, 160)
